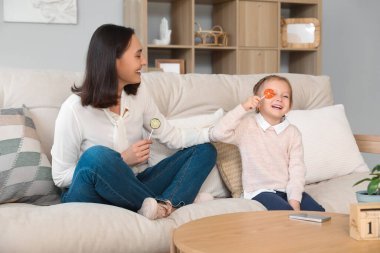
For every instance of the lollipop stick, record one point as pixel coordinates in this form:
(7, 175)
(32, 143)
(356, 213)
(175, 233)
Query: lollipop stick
(150, 135)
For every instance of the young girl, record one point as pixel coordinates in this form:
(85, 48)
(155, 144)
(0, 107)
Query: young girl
(99, 154)
(271, 148)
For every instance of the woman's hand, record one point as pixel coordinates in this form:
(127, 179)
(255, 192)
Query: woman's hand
(137, 153)
(295, 204)
(251, 103)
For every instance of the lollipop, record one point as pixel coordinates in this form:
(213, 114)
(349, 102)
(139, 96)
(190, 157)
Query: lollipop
(268, 94)
(154, 124)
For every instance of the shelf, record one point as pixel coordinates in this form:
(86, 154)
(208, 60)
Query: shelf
(299, 49)
(295, 61)
(214, 48)
(297, 10)
(253, 28)
(299, 1)
(161, 1)
(211, 1)
(169, 46)
(215, 61)
(171, 53)
(179, 18)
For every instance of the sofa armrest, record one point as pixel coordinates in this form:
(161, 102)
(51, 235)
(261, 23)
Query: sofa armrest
(368, 143)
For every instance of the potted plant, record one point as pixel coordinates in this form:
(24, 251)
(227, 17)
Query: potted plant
(372, 194)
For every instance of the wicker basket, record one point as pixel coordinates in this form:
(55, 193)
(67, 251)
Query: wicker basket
(214, 37)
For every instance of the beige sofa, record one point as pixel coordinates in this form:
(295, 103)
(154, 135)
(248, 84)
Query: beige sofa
(191, 99)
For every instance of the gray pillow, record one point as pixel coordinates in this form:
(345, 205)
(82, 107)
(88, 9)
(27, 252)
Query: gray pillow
(25, 171)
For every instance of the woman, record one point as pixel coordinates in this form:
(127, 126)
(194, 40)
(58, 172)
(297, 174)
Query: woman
(99, 154)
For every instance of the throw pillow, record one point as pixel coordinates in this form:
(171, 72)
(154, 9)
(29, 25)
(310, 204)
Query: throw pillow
(228, 162)
(158, 151)
(25, 172)
(330, 149)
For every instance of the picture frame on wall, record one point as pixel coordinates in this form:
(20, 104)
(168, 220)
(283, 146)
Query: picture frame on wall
(40, 11)
(171, 65)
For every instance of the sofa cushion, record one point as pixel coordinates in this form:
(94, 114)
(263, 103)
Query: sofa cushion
(336, 194)
(229, 165)
(330, 149)
(180, 96)
(158, 151)
(44, 119)
(42, 91)
(25, 173)
(214, 185)
(37, 88)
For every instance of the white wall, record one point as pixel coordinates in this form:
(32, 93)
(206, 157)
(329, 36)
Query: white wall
(55, 46)
(351, 57)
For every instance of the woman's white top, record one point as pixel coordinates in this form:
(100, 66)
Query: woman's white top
(78, 128)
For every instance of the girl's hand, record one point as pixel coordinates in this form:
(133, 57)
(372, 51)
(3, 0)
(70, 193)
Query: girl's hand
(137, 152)
(251, 103)
(295, 204)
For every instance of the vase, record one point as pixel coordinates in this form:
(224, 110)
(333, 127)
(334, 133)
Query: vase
(363, 197)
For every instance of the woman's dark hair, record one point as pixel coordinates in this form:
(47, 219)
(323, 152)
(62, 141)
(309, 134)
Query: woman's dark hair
(260, 83)
(100, 85)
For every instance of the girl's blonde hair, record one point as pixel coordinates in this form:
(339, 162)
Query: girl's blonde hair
(263, 80)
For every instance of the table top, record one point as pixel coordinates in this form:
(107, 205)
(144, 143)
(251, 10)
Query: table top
(268, 231)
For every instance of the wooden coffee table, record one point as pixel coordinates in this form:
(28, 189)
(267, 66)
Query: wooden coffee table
(268, 231)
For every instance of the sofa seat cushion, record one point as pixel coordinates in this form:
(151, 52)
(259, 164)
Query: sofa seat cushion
(101, 228)
(25, 172)
(336, 194)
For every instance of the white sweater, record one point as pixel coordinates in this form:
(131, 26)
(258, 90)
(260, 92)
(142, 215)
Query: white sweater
(78, 128)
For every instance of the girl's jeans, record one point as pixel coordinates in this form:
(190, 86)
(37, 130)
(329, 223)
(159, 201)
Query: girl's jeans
(279, 201)
(101, 176)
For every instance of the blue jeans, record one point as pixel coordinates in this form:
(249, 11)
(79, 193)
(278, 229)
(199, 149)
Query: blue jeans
(101, 176)
(279, 201)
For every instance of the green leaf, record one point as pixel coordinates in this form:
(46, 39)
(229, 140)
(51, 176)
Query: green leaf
(376, 168)
(373, 186)
(361, 181)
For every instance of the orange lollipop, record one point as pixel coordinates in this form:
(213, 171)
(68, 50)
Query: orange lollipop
(268, 94)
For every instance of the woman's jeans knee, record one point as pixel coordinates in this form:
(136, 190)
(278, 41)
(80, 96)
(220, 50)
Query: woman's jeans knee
(101, 176)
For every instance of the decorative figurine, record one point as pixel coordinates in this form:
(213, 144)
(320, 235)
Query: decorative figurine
(164, 33)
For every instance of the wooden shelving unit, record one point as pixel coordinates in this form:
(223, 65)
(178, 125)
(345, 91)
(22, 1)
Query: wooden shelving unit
(253, 27)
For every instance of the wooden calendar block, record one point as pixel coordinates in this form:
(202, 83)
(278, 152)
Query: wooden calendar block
(365, 221)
